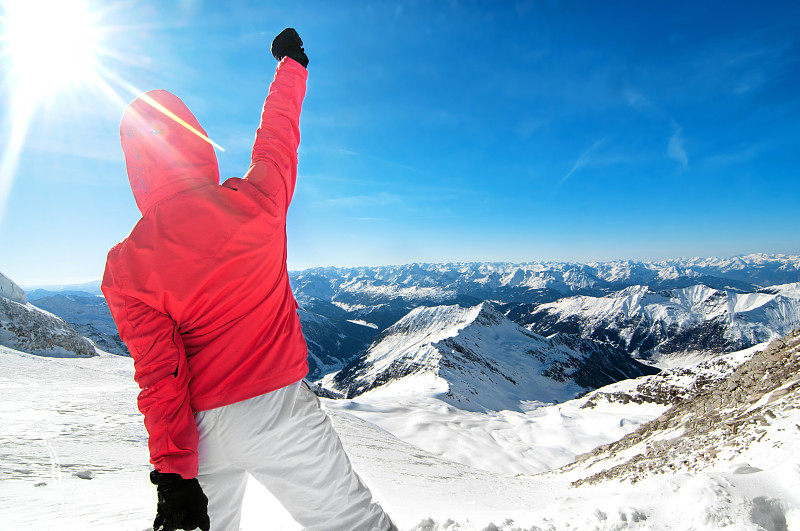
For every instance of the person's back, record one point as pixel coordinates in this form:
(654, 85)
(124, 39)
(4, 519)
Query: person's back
(213, 259)
(208, 261)
(200, 294)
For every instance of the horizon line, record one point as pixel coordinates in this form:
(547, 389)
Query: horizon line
(62, 285)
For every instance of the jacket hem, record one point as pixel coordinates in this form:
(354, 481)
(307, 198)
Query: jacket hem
(250, 391)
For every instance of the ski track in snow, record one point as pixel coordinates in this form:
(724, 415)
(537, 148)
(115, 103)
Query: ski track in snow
(73, 455)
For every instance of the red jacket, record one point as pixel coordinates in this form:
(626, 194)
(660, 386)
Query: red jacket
(199, 289)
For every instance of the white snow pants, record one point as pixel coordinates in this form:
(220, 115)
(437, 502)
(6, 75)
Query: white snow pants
(285, 441)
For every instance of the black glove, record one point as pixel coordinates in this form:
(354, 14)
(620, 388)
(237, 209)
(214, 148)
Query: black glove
(289, 44)
(181, 503)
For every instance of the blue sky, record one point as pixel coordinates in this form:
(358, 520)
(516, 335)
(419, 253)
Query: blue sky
(446, 131)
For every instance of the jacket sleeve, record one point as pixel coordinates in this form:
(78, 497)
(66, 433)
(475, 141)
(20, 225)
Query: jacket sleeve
(273, 167)
(162, 374)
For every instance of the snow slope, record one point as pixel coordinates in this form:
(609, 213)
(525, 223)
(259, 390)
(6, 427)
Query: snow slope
(74, 457)
(504, 442)
(11, 290)
(545, 437)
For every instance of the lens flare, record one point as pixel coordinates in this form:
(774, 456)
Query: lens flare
(153, 103)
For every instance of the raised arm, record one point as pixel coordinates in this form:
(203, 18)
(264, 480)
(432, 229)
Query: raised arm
(273, 168)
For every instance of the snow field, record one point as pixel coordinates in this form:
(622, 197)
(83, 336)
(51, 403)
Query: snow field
(505, 442)
(73, 455)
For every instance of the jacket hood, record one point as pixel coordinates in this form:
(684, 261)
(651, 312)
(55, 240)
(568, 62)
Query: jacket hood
(162, 153)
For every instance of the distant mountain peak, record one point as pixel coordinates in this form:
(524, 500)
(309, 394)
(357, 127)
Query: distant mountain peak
(482, 360)
(434, 323)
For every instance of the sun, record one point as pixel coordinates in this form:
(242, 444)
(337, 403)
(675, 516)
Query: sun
(49, 45)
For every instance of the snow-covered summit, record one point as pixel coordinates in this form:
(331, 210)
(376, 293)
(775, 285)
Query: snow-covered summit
(477, 359)
(432, 324)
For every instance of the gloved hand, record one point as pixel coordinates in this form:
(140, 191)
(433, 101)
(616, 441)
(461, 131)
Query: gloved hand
(181, 503)
(289, 44)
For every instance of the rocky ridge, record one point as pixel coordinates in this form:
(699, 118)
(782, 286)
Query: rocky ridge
(758, 403)
(670, 386)
(89, 316)
(27, 328)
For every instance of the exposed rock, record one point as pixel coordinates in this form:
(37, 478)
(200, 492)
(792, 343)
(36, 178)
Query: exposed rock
(723, 417)
(670, 386)
(88, 315)
(28, 329)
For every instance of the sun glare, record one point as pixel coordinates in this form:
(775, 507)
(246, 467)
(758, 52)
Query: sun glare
(50, 48)
(50, 44)
(47, 47)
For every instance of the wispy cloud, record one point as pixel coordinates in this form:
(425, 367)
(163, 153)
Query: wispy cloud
(583, 160)
(637, 100)
(526, 128)
(344, 152)
(378, 199)
(730, 158)
(675, 148)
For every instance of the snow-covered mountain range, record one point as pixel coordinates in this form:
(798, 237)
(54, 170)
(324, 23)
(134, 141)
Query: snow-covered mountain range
(360, 288)
(665, 326)
(660, 312)
(655, 311)
(479, 360)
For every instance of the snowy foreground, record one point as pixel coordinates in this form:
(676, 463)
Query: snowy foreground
(73, 455)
